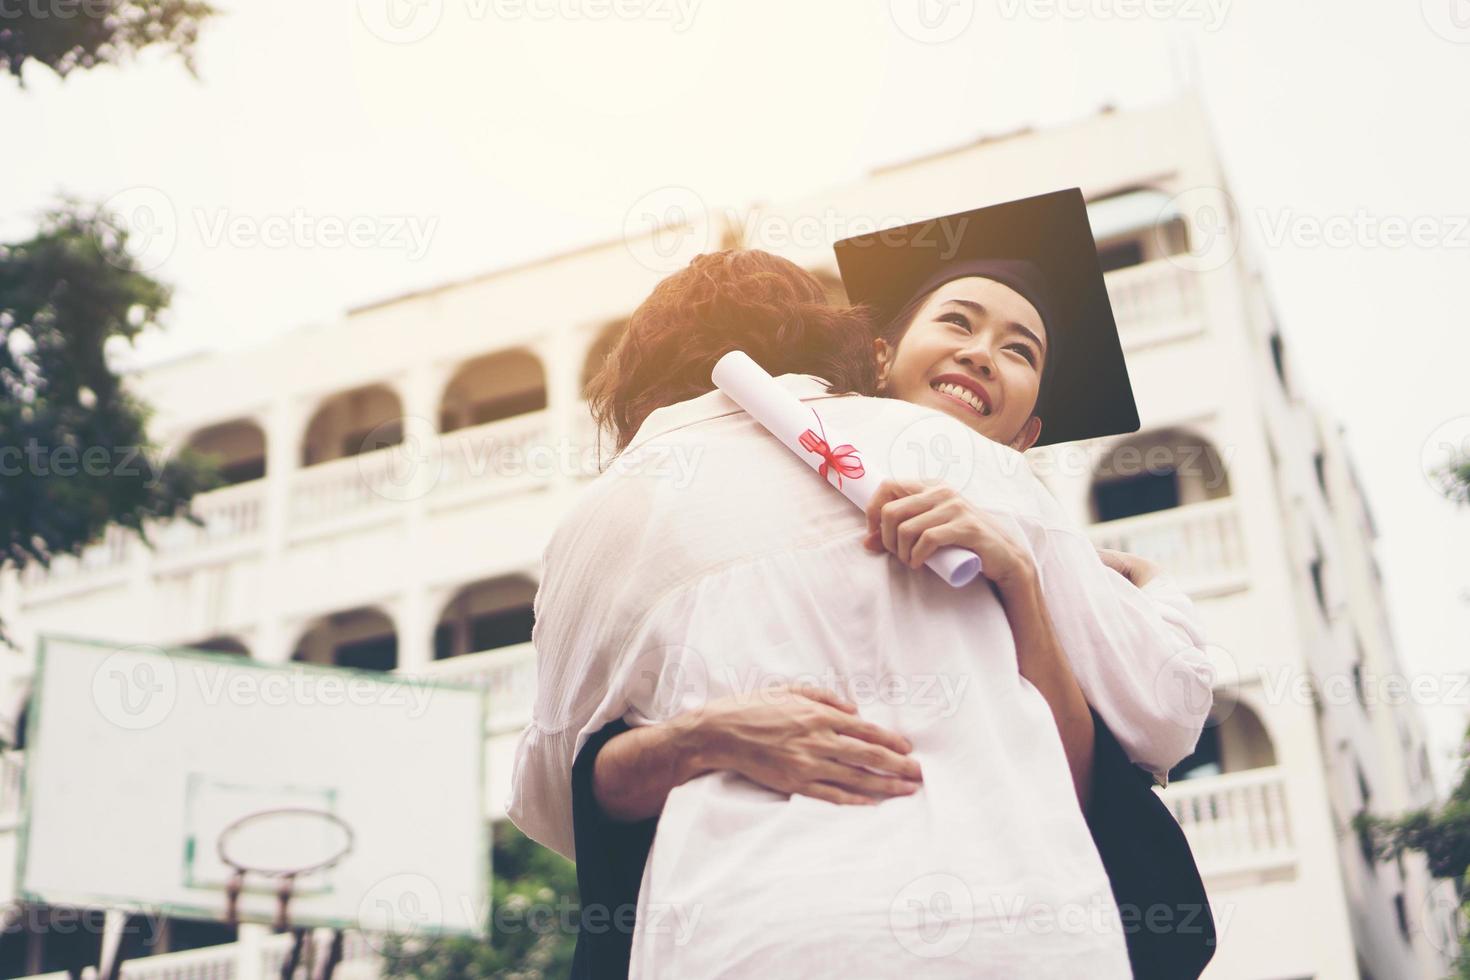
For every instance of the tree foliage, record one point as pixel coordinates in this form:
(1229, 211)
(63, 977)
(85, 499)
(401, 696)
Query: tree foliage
(74, 450)
(66, 35)
(533, 931)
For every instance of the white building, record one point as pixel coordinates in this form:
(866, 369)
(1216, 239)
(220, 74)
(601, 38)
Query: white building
(336, 546)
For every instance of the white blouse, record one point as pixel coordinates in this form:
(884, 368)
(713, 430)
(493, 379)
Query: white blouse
(710, 561)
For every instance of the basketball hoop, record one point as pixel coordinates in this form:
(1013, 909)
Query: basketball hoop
(286, 871)
(237, 836)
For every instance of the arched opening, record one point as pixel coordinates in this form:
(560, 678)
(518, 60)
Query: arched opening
(601, 347)
(1234, 739)
(1156, 470)
(222, 644)
(1135, 226)
(496, 386)
(486, 615)
(236, 447)
(361, 638)
(353, 422)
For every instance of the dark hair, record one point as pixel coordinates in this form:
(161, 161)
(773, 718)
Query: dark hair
(898, 325)
(737, 299)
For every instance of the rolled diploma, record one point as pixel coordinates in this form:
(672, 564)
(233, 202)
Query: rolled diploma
(782, 414)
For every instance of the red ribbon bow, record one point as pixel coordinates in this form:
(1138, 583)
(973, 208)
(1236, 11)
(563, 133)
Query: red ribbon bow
(844, 459)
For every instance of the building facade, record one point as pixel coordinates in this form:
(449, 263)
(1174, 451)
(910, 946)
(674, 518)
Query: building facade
(395, 475)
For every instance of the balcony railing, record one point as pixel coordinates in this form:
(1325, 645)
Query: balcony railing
(1201, 545)
(349, 486)
(226, 961)
(1236, 821)
(1154, 301)
(107, 556)
(497, 455)
(230, 514)
(508, 673)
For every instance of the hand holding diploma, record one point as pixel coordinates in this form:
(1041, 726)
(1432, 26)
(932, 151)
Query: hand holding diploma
(798, 426)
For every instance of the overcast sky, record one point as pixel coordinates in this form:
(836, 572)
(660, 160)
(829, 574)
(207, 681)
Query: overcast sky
(494, 131)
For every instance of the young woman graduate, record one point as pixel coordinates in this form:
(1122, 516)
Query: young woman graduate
(1016, 844)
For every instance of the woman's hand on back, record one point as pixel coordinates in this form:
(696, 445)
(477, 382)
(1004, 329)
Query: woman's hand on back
(806, 740)
(1132, 567)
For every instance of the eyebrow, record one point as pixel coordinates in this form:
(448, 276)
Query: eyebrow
(980, 309)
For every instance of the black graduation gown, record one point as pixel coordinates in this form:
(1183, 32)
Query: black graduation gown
(1165, 912)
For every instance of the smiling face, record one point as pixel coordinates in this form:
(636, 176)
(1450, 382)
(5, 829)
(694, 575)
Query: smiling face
(975, 349)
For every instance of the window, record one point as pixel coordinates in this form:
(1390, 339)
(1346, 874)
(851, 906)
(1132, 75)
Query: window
(1204, 760)
(1278, 357)
(198, 933)
(490, 631)
(1120, 255)
(378, 653)
(1365, 838)
(1403, 915)
(501, 629)
(243, 471)
(1317, 464)
(1134, 495)
(1316, 570)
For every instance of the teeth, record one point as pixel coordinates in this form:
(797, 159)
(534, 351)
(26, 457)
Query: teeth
(963, 394)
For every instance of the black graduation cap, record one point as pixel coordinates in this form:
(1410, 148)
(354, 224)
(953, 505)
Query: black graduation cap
(1043, 248)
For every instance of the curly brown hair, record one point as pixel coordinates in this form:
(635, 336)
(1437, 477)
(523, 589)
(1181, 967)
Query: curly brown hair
(737, 299)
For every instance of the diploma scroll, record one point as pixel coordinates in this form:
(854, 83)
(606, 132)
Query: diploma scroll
(804, 433)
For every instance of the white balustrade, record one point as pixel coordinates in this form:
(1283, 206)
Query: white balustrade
(229, 514)
(222, 962)
(1235, 821)
(508, 673)
(1201, 544)
(352, 485)
(500, 454)
(109, 553)
(1154, 296)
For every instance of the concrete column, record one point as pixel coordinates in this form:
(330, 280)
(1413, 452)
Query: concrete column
(562, 353)
(284, 425)
(422, 456)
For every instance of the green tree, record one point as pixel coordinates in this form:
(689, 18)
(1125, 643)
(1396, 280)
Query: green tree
(533, 934)
(1441, 833)
(69, 34)
(1453, 478)
(74, 451)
